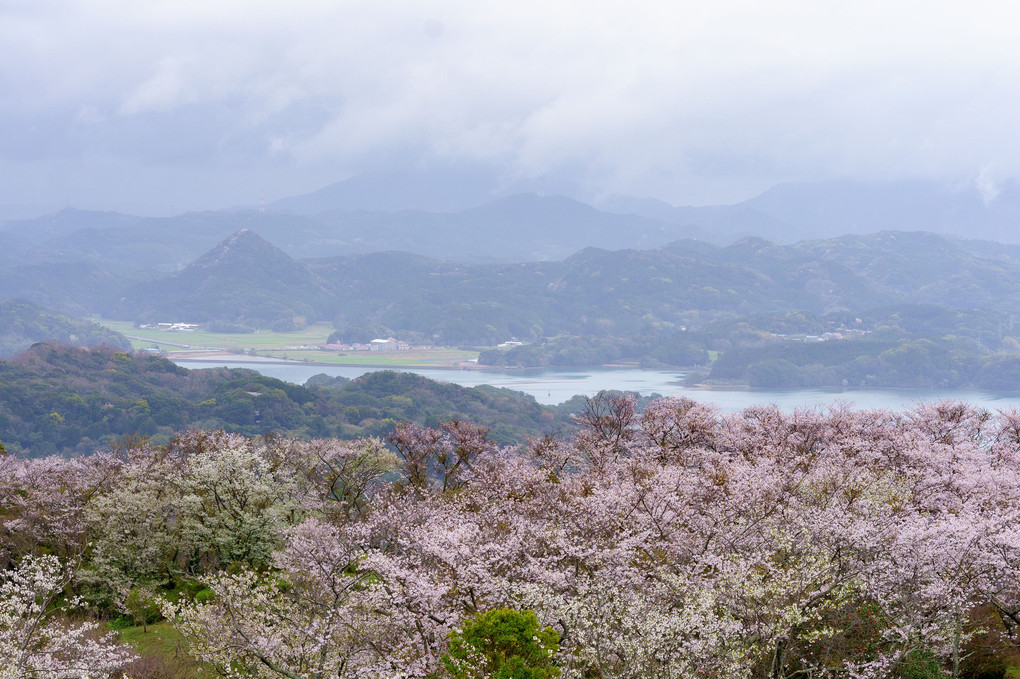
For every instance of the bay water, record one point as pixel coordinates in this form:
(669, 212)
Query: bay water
(551, 387)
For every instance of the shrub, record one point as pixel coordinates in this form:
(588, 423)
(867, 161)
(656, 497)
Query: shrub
(503, 644)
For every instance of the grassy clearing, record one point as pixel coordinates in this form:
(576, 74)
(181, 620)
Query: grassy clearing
(161, 653)
(259, 341)
(278, 345)
(160, 638)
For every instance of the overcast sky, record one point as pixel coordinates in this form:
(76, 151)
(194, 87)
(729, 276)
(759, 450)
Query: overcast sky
(157, 106)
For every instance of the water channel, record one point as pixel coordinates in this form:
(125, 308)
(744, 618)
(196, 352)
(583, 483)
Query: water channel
(551, 387)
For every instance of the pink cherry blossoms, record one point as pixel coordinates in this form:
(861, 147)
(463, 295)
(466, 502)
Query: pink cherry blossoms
(671, 543)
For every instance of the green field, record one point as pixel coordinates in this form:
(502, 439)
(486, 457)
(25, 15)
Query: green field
(259, 341)
(278, 345)
(162, 651)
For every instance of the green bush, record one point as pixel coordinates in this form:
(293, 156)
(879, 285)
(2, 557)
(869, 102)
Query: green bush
(920, 664)
(503, 644)
(204, 596)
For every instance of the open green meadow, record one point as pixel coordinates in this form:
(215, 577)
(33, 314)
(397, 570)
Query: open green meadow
(226, 341)
(282, 345)
(162, 652)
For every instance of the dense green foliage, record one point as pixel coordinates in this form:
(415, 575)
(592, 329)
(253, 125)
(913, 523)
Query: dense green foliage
(370, 404)
(901, 346)
(23, 323)
(56, 398)
(503, 644)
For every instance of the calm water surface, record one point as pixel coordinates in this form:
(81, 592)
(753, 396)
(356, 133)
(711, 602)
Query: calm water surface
(551, 387)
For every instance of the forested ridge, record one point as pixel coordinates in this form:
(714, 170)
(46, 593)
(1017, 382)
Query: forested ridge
(23, 323)
(60, 399)
(594, 292)
(901, 309)
(674, 543)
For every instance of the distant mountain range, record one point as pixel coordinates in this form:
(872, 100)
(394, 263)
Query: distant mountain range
(471, 221)
(923, 309)
(595, 292)
(478, 266)
(785, 213)
(522, 227)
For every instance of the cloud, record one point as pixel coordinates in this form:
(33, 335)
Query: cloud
(691, 102)
(986, 185)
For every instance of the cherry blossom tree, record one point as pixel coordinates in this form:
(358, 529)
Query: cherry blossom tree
(676, 543)
(37, 639)
(323, 615)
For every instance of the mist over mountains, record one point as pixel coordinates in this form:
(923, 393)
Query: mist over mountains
(245, 279)
(785, 213)
(537, 266)
(468, 216)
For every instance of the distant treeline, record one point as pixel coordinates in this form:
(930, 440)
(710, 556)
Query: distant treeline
(861, 363)
(677, 349)
(900, 346)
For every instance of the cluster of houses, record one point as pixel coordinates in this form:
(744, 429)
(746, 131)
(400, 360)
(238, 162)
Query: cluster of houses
(171, 327)
(388, 344)
(843, 333)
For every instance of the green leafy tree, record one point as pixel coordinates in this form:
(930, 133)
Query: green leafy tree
(503, 644)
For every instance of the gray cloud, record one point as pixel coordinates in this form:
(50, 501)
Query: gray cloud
(199, 104)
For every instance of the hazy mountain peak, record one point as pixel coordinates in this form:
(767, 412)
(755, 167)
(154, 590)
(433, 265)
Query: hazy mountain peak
(752, 243)
(436, 189)
(243, 279)
(533, 203)
(243, 247)
(65, 222)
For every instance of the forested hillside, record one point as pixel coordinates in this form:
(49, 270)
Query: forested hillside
(593, 292)
(22, 324)
(244, 279)
(60, 399)
(907, 309)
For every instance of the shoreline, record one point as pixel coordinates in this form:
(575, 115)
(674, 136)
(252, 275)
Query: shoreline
(214, 357)
(707, 392)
